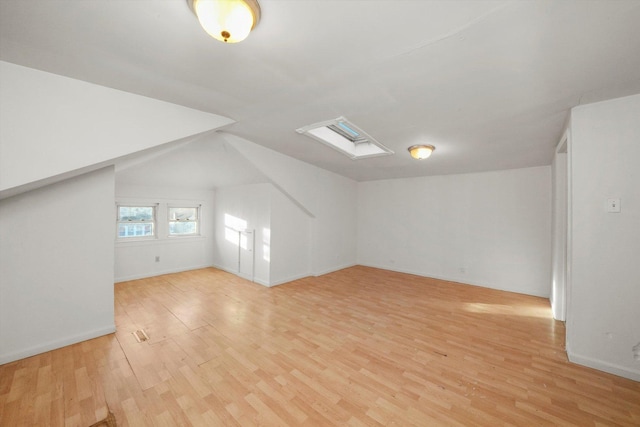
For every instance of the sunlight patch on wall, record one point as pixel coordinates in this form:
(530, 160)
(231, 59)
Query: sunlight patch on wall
(266, 244)
(233, 227)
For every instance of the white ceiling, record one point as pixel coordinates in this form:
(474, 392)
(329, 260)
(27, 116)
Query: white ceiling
(489, 83)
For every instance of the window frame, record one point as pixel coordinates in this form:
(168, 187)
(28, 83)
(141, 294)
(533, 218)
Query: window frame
(153, 222)
(197, 207)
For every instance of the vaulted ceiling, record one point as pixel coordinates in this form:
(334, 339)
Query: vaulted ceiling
(489, 83)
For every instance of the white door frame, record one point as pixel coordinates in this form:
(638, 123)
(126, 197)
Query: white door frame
(561, 229)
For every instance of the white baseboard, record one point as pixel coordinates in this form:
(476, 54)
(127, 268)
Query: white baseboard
(601, 365)
(271, 284)
(160, 273)
(220, 267)
(427, 275)
(235, 273)
(289, 279)
(334, 269)
(461, 280)
(261, 282)
(55, 344)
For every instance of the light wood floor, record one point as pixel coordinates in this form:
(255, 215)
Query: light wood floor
(359, 347)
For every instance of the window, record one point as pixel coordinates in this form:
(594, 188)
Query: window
(347, 138)
(184, 221)
(136, 221)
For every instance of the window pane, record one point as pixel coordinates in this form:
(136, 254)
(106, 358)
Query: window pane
(135, 229)
(135, 213)
(182, 228)
(183, 214)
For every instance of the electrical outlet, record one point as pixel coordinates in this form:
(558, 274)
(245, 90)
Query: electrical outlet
(613, 205)
(636, 352)
(157, 259)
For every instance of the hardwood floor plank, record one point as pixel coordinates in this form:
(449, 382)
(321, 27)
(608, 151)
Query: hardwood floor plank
(358, 347)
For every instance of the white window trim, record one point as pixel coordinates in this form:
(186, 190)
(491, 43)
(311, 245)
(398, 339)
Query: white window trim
(198, 222)
(154, 221)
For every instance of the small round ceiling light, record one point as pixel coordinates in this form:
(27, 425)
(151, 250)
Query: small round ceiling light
(229, 21)
(421, 152)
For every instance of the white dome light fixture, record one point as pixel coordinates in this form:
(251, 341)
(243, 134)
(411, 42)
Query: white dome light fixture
(229, 21)
(421, 152)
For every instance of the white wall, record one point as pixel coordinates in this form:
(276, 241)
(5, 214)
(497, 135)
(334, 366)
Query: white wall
(50, 125)
(335, 226)
(137, 259)
(251, 203)
(328, 198)
(603, 313)
(290, 242)
(491, 229)
(56, 265)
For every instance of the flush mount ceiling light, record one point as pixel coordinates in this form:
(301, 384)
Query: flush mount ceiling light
(421, 152)
(347, 138)
(229, 21)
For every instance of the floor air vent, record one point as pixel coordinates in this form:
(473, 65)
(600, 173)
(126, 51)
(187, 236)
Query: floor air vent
(141, 335)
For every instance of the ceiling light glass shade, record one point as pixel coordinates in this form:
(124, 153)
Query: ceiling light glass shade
(229, 21)
(421, 152)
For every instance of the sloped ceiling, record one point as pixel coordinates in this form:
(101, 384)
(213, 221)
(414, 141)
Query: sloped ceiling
(53, 127)
(489, 83)
(204, 163)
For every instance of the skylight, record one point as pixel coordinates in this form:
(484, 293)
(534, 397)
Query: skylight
(345, 137)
